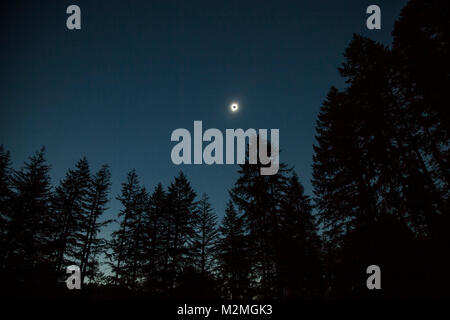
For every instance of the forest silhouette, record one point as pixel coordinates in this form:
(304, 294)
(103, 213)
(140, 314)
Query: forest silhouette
(380, 196)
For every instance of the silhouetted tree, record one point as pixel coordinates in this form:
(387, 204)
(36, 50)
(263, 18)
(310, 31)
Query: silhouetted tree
(126, 256)
(233, 259)
(182, 217)
(97, 200)
(420, 75)
(421, 49)
(157, 240)
(206, 236)
(69, 210)
(26, 239)
(299, 247)
(379, 159)
(259, 198)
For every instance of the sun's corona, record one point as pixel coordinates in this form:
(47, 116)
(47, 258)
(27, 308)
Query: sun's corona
(234, 107)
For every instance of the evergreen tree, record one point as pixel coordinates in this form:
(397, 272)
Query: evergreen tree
(182, 218)
(421, 48)
(420, 76)
(139, 239)
(334, 172)
(299, 259)
(389, 148)
(127, 242)
(232, 256)
(156, 239)
(70, 212)
(26, 239)
(97, 200)
(372, 169)
(206, 233)
(259, 199)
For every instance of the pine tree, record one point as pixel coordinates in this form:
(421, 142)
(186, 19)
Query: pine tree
(259, 198)
(70, 211)
(139, 238)
(26, 241)
(299, 262)
(420, 76)
(206, 234)
(155, 227)
(334, 172)
(421, 49)
(358, 155)
(232, 256)
(390, 147)
(369, 161)
(372, 167)
(121, 238)
(127, 243)
(182, 217)
(96, 201)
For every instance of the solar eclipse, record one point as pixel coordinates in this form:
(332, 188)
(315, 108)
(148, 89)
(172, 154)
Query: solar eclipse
(234, 107)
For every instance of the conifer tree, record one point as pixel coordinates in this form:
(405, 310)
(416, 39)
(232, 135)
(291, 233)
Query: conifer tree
(26, 239)
(206, 233)
(70, 211)
(299, 249)
(420, 76)
(97, 200)
(259, 198)
(125, 242)
(155, 229)
(233, 259)
(182, 218)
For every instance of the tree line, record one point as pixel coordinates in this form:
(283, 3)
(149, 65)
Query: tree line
(380, 182)
(168, 242)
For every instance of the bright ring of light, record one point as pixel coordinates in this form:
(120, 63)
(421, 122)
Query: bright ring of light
(234, 107)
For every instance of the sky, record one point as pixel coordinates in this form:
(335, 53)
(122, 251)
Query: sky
(137, 70)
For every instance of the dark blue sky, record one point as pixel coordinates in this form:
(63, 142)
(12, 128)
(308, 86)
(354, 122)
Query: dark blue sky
(115, 90)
